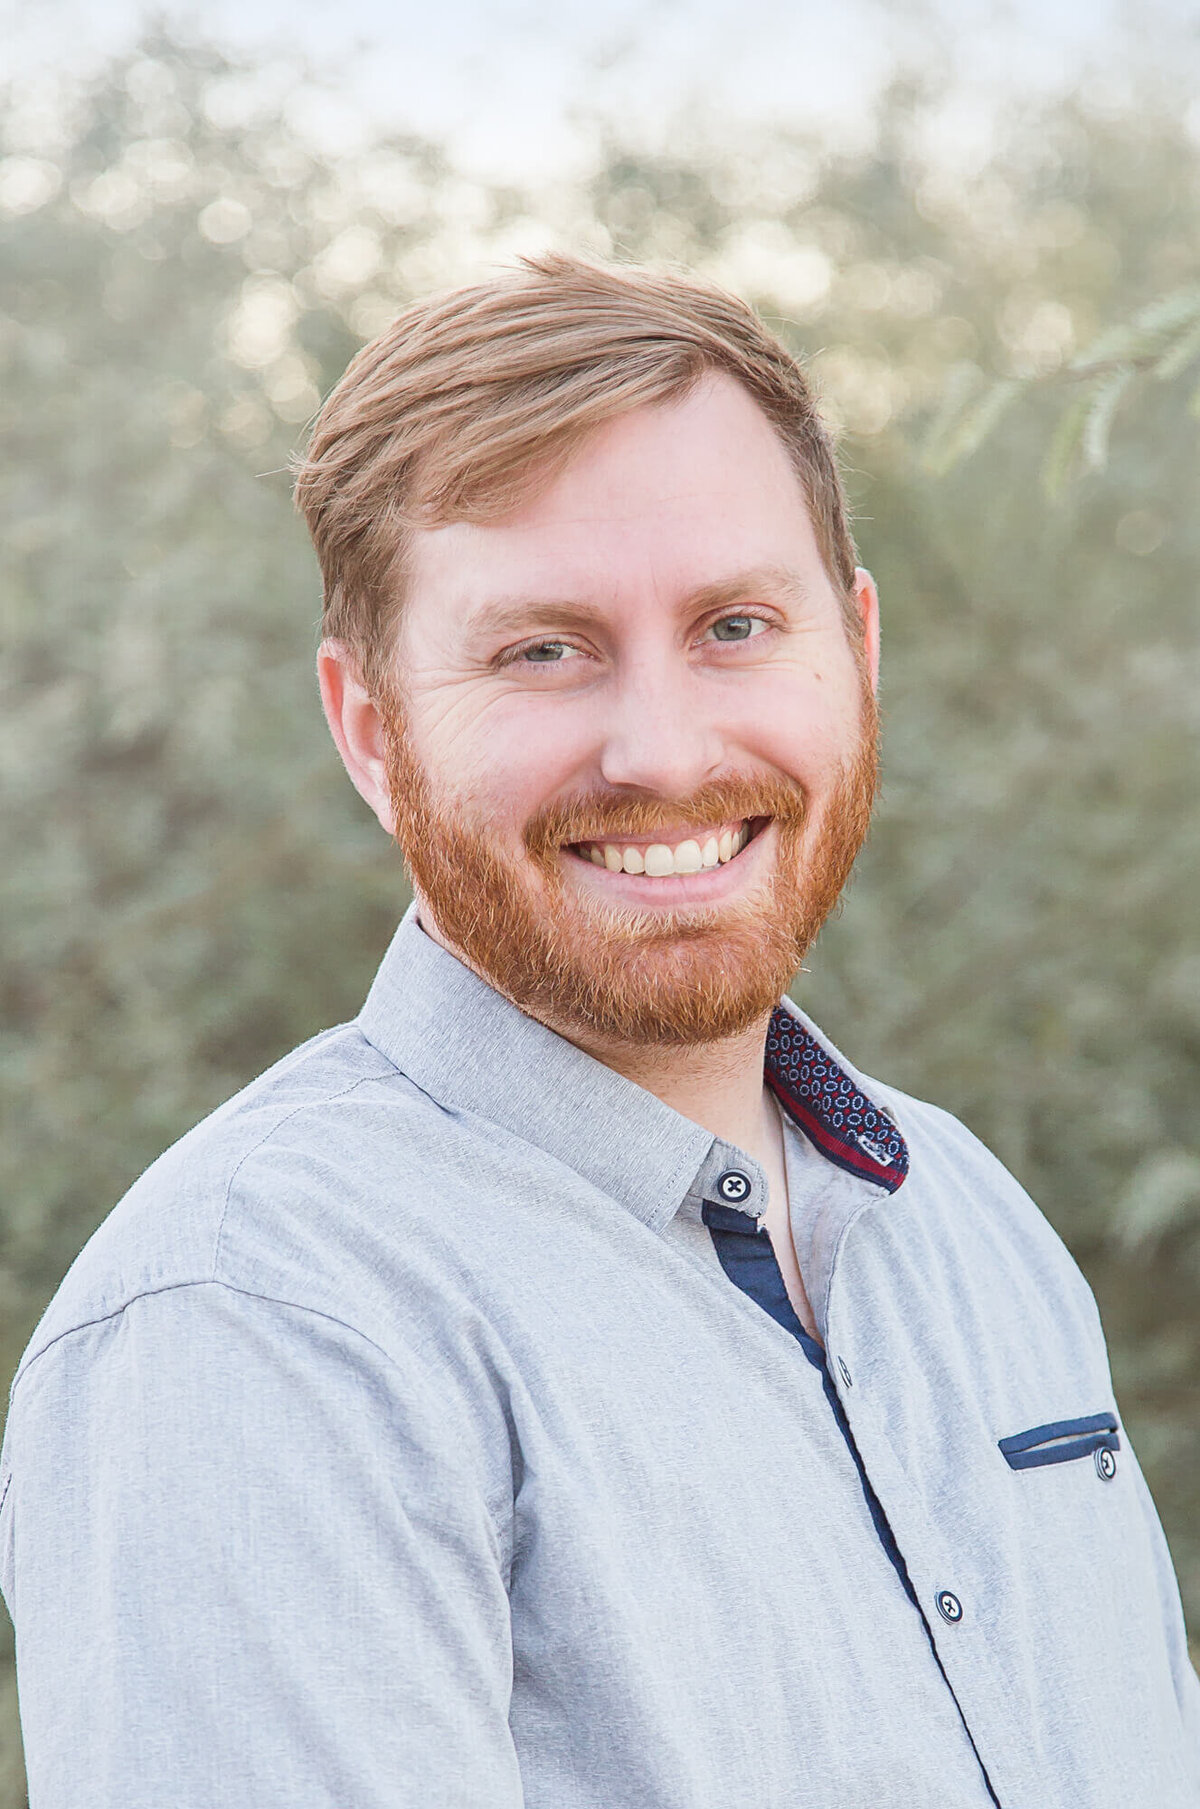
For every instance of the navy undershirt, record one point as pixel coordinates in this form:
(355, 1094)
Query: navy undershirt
(749, 1261)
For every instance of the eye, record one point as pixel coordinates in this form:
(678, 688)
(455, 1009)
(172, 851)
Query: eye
(736, 628)
(546, 653)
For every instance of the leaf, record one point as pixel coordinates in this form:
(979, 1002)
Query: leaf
(1064, 446)
(1115, 343)
(1145, 334)
(1102, 405)
(961, 385)
(1178, 356)
(974, 424)
(1170, 312)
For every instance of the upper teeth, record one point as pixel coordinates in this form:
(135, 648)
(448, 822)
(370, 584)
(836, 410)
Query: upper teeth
(659, 860)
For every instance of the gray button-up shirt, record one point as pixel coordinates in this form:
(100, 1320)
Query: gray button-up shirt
(401, 1440)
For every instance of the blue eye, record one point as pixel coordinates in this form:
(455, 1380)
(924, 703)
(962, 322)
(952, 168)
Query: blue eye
(546, 653)
(736, 628)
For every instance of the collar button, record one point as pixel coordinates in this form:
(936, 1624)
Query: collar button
(734, 1187)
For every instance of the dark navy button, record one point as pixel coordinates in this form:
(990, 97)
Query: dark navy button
(949, 1606)
(1106, 1463)
(734, 1186)
(847, 1378)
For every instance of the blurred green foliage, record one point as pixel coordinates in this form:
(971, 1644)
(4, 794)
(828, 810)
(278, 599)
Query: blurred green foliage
(190, 887)
(1161, 342)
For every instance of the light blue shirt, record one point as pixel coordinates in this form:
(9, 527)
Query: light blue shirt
(401, 1440)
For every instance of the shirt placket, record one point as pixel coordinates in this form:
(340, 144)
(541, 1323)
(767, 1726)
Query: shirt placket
(935, 1576)
(959, 1617)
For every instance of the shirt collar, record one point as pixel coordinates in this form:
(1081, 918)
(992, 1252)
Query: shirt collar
(824, 1096)
(472, 1050)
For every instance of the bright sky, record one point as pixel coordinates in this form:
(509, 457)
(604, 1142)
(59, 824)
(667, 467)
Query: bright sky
(507, 80)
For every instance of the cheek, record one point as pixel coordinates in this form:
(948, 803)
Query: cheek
(505, 757)
(802, 722)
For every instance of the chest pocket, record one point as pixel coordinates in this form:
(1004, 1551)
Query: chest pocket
(1063, 1441)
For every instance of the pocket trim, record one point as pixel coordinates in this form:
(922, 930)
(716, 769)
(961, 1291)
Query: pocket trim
(1060, 1441)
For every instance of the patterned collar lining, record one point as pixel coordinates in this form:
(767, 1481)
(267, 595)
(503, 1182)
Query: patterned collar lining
(834, 1113)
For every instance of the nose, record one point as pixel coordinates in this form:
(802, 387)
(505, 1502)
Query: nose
(660, 735)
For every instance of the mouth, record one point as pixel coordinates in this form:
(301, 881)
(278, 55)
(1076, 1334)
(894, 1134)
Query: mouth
(667, 854)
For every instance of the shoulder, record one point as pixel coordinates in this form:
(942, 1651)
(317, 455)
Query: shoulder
(223, 1203)
(948, 1159)
(990, 1243)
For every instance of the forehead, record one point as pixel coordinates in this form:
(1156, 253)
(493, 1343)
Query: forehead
(663, 501)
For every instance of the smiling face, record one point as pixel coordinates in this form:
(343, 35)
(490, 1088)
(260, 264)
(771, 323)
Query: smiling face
(631, 745)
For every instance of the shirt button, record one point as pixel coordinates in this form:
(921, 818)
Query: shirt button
(734, 1186)
(847, 1378)
(1106, 1463)
(949, 1606)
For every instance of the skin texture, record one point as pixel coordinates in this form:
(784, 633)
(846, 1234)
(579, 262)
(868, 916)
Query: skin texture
(560, 673)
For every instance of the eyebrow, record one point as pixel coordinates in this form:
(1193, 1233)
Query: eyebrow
(774, 583)
(510, 615)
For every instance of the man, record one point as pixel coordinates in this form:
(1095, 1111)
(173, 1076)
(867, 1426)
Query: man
(572, 1384)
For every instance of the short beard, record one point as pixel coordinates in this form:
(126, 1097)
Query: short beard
(606, 973)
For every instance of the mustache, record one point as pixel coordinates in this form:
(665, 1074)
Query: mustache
(596, 816)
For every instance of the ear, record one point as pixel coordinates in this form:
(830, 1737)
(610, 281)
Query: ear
(357, 728)
(867, 598)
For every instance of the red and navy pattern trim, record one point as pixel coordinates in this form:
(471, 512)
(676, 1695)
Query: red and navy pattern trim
(829, 1108)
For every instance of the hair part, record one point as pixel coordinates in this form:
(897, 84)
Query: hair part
(473, 399)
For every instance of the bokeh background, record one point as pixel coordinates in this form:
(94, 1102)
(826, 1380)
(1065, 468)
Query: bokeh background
(954, 213)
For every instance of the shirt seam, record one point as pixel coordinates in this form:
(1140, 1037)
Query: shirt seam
(499, 1511)
(295, 1112)
(863, 1207)
(203, 1281)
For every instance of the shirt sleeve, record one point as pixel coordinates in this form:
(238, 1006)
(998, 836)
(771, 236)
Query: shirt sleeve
(249, 1561)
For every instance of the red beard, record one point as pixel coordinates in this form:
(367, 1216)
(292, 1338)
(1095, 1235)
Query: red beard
(608, 973)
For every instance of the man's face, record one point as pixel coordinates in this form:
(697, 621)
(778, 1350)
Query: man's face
(631, 748)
